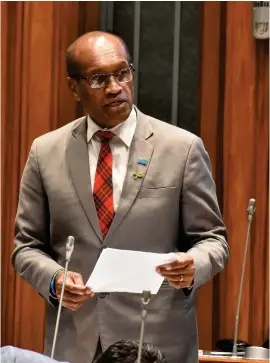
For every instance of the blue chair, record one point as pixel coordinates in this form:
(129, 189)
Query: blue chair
(10, 354)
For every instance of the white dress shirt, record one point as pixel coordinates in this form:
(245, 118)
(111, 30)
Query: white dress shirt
(120, 147)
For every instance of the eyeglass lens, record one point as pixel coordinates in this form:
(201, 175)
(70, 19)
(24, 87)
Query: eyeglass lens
(122, 76)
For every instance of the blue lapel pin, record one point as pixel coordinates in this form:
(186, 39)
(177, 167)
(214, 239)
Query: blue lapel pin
(143, 161)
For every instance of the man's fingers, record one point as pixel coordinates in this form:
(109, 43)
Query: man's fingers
(75, 290)
(74, 282)
(178, 278)
(77, 279)
(70, 286)
(180, 271)
(73, 293)
(74, 297)
(71, 305)
(182, 262)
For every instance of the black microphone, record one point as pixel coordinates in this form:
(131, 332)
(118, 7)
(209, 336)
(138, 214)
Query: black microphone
(69, 250)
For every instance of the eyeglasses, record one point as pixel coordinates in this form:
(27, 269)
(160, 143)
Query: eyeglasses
(99, 80)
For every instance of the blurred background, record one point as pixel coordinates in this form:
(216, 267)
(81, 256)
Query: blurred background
(199, 67)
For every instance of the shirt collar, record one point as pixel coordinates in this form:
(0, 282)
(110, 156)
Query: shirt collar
(125, 131)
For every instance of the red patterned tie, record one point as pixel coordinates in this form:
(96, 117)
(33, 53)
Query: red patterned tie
(103, 187)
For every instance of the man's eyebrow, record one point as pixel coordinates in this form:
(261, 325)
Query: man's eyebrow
(94, 70)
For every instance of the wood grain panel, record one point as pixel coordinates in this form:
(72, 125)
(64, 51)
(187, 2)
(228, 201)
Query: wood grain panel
(63, 107)
(210, 80)
(12, 15)
(234, 128)
(209, 130)
(259, 272)
(34, 120)
(245, 139)
(36, 100)
(238, 160)
(89, 15)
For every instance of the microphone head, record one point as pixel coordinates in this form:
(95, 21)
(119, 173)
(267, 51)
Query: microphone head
(251, 206)
(70, 243)
(146, 296)
(69, 247)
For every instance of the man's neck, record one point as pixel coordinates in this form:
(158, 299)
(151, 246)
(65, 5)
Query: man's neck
(107, 125)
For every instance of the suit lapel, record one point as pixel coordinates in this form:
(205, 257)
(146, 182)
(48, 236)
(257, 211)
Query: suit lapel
(140, 148)
(78, 161)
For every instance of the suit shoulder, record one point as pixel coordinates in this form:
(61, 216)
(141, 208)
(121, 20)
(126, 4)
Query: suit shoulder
(53, 137)
(171, 132)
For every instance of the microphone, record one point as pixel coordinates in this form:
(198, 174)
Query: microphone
(229, 346)
(69, 247)
(69, 250)
(250, 211)
(146, 297)
(251, 208)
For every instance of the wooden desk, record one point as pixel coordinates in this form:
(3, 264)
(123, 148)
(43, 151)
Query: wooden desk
(229, 360)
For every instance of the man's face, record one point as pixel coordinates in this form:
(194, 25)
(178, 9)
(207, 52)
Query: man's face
(111, 104)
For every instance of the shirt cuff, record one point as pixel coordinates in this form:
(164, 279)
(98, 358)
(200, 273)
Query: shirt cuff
(52, 291)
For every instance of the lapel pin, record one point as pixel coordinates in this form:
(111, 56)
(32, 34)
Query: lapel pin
(143, 161)
(138, 175)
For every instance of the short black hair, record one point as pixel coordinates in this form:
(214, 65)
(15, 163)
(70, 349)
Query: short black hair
(73, 69)
(126, 351)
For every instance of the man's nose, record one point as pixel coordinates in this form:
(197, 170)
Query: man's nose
(113, 86)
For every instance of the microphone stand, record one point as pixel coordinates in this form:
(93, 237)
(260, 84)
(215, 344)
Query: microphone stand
(69, 250)
(146, 297)
(250, 210)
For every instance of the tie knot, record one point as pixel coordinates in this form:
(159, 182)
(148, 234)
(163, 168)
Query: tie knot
(105, 135)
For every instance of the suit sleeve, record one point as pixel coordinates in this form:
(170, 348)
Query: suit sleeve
(201, 217)
(32, 256)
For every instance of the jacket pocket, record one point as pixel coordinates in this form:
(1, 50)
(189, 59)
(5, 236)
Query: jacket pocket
(157, 192)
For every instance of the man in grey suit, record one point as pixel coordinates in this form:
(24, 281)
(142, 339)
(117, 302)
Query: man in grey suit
(125, 180)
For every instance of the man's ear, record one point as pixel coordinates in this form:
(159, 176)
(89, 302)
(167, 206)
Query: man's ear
(73, 87)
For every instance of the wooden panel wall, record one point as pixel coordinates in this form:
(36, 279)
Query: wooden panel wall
(35, 100)
(234, 128)
(211, 134)
(245, 168)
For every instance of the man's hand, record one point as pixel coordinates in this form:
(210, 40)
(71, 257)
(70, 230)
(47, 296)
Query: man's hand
(76, 293)
(180, 273)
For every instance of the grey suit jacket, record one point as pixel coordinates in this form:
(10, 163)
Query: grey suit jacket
(173, 208)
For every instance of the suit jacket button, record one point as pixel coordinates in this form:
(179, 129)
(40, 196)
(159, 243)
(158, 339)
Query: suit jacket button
(102, 295)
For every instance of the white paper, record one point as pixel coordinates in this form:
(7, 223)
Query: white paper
(128, 271)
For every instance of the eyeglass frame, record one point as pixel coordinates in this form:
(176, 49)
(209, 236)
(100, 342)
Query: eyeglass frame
(131, 67)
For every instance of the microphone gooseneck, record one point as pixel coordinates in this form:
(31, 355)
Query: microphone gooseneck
(69, 250)
(146, 296)
(250, 212)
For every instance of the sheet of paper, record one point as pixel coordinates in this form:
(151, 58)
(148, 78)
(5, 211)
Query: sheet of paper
(128, 271)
